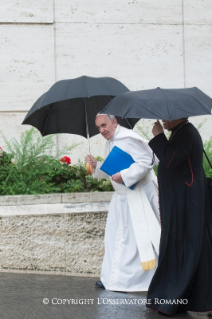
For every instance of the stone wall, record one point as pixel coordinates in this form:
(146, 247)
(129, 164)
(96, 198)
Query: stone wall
(144, 44)
(53, 232)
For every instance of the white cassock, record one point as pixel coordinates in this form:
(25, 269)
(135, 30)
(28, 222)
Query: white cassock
(132, 232)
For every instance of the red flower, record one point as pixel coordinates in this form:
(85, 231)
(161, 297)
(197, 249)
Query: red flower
(66, 159)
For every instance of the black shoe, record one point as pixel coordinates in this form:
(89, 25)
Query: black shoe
(99, 284)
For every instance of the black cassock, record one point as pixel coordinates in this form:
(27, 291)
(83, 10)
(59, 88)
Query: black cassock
(183, 279)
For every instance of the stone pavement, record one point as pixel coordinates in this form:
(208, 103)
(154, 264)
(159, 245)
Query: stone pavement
(43, 296)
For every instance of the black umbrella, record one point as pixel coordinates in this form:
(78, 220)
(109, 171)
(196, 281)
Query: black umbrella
(162, 104)
(70, 106)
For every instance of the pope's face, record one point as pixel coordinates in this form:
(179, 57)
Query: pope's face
(106, 126)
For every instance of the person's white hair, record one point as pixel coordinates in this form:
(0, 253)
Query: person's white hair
(111, 117)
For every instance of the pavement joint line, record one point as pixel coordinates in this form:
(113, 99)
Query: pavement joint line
(43, 272)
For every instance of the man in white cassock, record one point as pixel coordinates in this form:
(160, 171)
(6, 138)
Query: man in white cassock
(132, 232)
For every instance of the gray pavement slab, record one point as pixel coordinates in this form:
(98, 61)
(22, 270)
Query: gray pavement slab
(43, 296)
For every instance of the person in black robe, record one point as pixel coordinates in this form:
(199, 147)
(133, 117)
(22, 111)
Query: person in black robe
(183, 279)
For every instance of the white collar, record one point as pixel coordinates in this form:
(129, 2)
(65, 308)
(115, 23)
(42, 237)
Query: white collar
(115, 133)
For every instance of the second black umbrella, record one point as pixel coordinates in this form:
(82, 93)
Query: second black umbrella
(163, 104)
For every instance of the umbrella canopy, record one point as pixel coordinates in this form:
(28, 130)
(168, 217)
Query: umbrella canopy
(70, 106)
(162, 104)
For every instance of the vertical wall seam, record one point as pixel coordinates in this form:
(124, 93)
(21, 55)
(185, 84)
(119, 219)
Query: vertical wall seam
(55, 62)
(183, 42)
(54, 29)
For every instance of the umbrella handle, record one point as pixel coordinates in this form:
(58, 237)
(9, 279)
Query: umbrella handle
(89, 169)
(87, 129)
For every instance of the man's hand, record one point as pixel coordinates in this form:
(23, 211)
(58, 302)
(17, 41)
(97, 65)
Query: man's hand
(91, 160)
(117, 178)
(157, 128)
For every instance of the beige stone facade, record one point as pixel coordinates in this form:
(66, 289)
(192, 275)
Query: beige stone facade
(144, 44)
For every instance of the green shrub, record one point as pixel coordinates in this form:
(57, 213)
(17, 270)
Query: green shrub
(5, 164)
(36, 171)
(208, 149)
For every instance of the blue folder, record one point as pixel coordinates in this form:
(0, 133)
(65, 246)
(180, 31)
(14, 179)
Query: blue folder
(116, 161)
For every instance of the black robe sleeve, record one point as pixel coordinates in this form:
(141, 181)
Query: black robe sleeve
(171, 156)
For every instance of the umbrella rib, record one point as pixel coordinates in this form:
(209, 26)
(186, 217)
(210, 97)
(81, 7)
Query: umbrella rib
(86, 85)
(47, 119)
(200, 103)
(129, 105)
(161, 92)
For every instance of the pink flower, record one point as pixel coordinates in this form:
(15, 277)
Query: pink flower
(66, 159)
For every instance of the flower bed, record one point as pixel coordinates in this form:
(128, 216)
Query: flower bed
(30, 169)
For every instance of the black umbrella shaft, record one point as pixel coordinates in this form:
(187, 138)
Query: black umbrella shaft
(129, 123)
(87, 129)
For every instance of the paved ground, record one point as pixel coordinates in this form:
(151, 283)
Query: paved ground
(43, 296)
